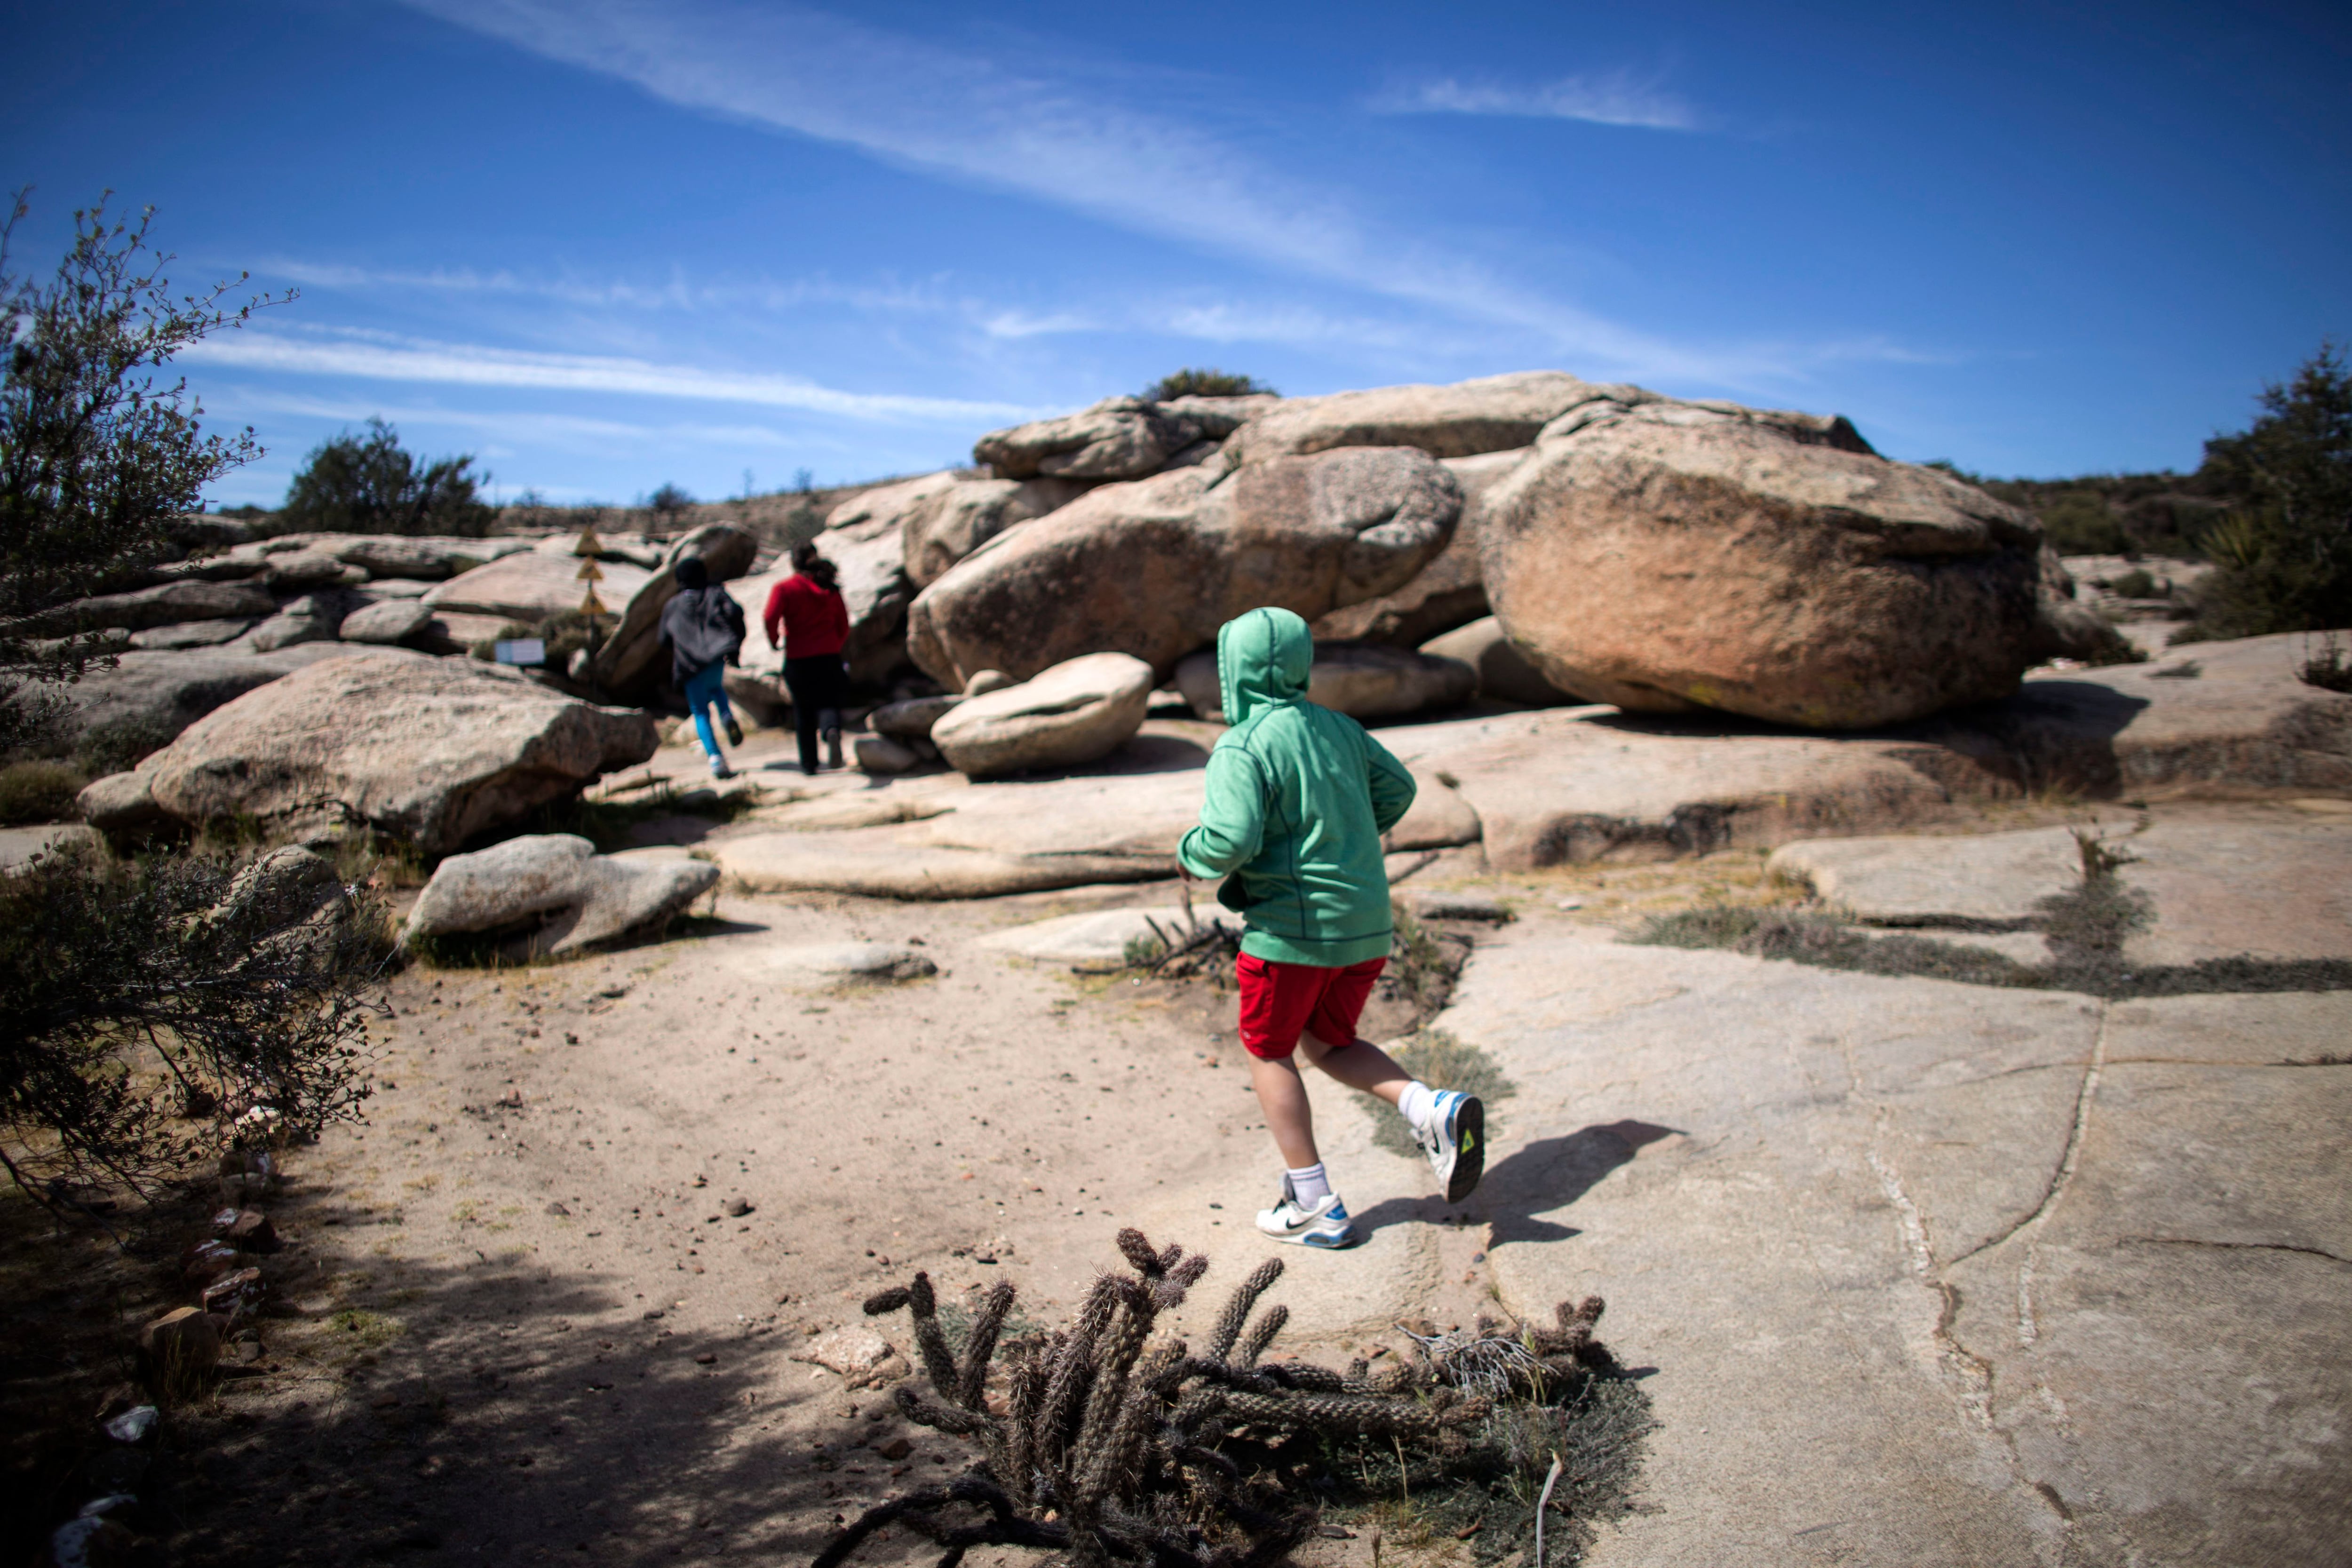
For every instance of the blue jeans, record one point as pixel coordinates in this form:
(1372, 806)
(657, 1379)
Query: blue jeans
(705, 688)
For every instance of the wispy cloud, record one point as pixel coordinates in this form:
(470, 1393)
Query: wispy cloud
(1614, 98)
(924, 106)
(381, 357)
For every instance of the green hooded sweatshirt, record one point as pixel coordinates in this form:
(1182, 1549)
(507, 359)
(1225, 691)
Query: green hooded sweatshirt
(1298, 799)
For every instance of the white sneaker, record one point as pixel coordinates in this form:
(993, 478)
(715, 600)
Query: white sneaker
(1323, 1223)
(719, 770)
(1455, 1141)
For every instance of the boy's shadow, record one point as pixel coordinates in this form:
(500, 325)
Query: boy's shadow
(1547, 1175)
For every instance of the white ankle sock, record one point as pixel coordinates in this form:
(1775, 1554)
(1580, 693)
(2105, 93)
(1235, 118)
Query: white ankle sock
(1308, 1184)
(1416, 1102)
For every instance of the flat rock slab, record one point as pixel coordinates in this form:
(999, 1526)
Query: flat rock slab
(990, 838)
(585, 898)
(1099, 937)
(21, 845)
(837, 960)
(2220, 881)
(1778, 1176)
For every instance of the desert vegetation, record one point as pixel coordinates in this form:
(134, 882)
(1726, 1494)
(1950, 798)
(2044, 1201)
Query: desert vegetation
(369, 483)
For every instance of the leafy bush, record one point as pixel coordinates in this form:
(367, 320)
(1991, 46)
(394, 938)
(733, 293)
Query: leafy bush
(2135, 584)
(157, 1011)
(1190, 383)
(38, 792)
(371, 484)
(2284, 557)
(2079, 523)
(98, 456)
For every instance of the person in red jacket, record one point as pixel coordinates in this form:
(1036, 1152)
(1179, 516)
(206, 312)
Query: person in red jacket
(808, 607)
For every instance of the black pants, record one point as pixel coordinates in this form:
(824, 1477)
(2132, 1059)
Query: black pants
(820, 688)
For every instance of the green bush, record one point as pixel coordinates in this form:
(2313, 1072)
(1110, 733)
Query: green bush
(38, 792)
(2284, 558)
(149, 1009)
(2136, 584)
(371, 484)
(2079, 523)
(1190, 383)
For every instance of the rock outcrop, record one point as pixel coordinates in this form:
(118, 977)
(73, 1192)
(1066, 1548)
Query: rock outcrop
(1492, 414)
(529, 586)
(580, 897)
(1665, 556)
(1117, 439)
(946, 525)
(118, 713)
(1450, 591)
(162, 605)
(428, 751)
(1071, 714)
(630, 660)
(1153, 568)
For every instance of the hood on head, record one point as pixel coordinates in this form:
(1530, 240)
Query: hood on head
(1263, 656)
(691, 571)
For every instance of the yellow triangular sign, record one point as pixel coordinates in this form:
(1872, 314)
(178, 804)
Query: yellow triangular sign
(589, 544)
(593, 605)
(589, 572)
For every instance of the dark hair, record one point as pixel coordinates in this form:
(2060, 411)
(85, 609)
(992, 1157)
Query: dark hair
(815, 567)
(691, 572)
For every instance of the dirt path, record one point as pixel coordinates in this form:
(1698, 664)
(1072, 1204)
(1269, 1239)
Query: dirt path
(549, 1292)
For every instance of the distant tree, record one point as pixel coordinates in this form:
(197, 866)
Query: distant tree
(97, 456)
(2284, 557)
(669, 502)
(1190, 383)
(369, 483)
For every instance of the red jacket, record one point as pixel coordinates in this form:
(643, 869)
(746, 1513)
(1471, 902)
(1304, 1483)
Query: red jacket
(816, 621)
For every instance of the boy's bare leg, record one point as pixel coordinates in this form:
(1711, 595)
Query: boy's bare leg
(1360, 1064)
(1283, 1097)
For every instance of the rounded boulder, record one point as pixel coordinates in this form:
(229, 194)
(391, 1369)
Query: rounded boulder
(1072, 714)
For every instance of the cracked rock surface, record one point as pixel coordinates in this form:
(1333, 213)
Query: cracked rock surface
(1934, 1273)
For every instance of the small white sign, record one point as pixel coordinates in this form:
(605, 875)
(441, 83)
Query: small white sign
(522, 650)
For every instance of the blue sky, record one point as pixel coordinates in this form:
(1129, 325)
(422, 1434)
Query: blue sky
(604, 244)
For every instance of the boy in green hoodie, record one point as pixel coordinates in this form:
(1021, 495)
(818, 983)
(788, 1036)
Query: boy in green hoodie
(1297, 798)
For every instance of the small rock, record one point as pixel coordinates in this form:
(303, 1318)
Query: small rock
(853, 960)
(984, 681)
(555, 1208)
(738, 1207)
(232, 1293)
(184, 1340)
(849, 1350)
(896, 1448)
(881, 755)
(251, 1231)
(92, 1543)
(207, 1261)
(135, 1425)
(1568, 903)
(706, 1359)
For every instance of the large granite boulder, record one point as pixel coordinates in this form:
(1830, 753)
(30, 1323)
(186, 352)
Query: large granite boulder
(946, 525)
(630, 661)
(1447, 593)
(580, 897)
(1072, 713)
(429, 556)
(1366, 681)
(1117, 439)
(429, 751)
(529, 586)
(1153, 568)
(181, 635)
(1665, 556)
(117, 714)
(1492, 414)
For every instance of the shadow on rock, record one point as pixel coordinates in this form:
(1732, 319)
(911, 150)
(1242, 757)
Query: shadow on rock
(1545, 1176)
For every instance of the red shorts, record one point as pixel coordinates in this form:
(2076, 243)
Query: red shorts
(1278, 1000)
